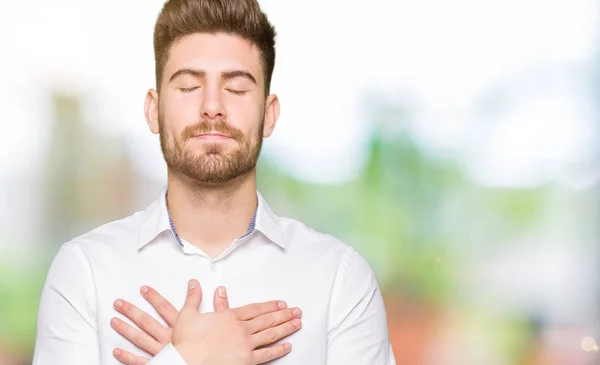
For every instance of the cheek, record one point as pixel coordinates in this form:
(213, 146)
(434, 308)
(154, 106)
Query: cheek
(244, 114)
(180, 112)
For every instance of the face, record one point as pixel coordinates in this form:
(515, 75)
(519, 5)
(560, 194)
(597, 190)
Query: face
(212, 113)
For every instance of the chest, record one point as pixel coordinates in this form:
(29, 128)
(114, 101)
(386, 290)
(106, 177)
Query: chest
(247, 281)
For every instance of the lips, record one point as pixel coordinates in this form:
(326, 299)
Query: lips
(212, 136)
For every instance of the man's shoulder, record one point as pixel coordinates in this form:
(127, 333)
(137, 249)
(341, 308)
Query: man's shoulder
(310, 244)
(301, 236)
(120, 233)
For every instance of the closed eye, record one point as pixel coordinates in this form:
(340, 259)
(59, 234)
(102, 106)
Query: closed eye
(237, 92)
(188, 89)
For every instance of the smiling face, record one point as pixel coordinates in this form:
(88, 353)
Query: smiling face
(212, 113)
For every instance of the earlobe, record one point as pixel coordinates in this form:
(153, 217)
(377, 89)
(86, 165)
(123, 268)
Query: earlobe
(151, 110)
(271, 114)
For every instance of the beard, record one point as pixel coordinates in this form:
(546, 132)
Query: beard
(213, 165)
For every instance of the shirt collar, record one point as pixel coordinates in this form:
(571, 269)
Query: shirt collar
(268, 223)
(155, 220)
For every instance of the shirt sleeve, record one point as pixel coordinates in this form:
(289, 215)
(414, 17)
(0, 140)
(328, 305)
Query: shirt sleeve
(67, 326)
(167, 356)
(358, 332)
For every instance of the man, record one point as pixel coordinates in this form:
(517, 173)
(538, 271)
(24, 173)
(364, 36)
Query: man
(111, 295)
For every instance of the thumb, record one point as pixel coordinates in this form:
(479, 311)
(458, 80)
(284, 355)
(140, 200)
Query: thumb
(221, 302)
(194, 296)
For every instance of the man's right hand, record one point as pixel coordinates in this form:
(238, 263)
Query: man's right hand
(265, 324)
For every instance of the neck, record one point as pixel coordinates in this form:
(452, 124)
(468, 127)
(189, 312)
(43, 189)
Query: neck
(211, 216)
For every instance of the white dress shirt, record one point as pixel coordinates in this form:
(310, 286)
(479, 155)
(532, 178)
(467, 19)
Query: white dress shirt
(343, 316)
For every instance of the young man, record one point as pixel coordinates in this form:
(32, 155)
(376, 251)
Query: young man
(212, 108)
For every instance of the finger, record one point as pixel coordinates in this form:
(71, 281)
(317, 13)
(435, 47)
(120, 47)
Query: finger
(129, 358)
(144, 321)
(220, 300)
(272, 319)
(271, 353)
(194, 296)
(137, 337)
(162, 306)
(273, 334)
(254, 310)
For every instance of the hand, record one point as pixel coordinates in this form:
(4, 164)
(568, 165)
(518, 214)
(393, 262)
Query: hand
(269, 321)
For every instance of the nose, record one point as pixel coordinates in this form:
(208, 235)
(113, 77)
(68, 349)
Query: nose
(212, 106)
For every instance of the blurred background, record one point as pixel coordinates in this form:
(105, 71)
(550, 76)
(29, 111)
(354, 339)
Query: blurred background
(454, 143)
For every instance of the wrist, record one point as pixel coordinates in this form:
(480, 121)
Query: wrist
(188, 353)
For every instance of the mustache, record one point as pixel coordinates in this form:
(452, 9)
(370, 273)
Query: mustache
(206, 126)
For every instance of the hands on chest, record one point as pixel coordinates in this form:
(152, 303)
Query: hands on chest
(236, 336)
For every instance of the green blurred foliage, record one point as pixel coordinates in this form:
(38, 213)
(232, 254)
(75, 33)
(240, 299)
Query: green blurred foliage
(404, 212)
(20, 289)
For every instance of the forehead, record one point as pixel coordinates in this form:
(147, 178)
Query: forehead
(214, 53)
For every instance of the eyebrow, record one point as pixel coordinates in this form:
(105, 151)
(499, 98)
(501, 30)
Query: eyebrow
(227, 75)
(187, 71)
(238, 73)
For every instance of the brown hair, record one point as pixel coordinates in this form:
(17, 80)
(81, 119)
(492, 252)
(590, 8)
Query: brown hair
(243, 18)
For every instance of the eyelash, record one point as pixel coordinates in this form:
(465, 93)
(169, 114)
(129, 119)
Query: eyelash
(236, 92)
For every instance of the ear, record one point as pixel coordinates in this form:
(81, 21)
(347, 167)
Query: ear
(271, 114)
(151, 110)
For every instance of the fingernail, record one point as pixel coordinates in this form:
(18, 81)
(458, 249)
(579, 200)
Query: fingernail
(287, 346)
(282, 305)
(114, 322)
(144, 289)
(191, 285)
(117, 352)
(118, 303)
(297, 323)
(297, 312)
(221, 291)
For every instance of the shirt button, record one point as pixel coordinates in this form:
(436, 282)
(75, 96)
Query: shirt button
(213, 267)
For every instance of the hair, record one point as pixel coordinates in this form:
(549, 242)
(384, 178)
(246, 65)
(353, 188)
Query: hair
(242, 18)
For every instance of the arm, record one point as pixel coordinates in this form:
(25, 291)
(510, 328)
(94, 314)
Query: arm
(358, 331)
(66, 328)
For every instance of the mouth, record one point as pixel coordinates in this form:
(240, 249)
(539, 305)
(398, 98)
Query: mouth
(211, 136)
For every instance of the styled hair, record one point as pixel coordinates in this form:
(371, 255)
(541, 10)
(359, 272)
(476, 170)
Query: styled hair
(242, 18)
